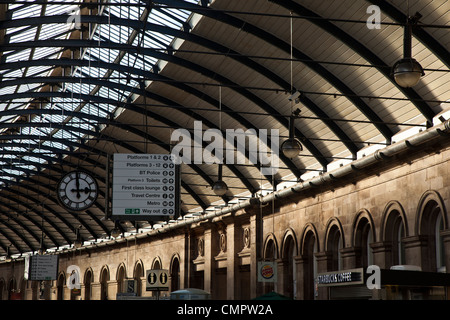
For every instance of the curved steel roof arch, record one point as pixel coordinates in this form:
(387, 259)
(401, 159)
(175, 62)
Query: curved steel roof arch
(155, 77)
(373, 59)
(81, 155)
(171, 41)
(437, 48)
(43, 216)
(143, 93)
(101, 120)
(212, 74)
(12, 243)
(24, 227)
(20, 235)
(29, 208)
(331, 78)
(51, 199)
(204, 42)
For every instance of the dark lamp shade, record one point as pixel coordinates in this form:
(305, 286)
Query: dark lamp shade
(291, 148)
(407, 72)
(220, 187)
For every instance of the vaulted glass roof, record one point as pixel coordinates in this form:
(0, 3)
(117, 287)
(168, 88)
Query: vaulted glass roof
(82, 80)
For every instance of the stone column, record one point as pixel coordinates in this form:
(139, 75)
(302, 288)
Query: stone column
(282, 271)
(445, 234)
(209, 265)
(95, 291)
(350, 257)
(323, 265)
(416, 251)
(255, 254)
(112, 289)
(82, 291)
(232, 247)
(382, 254)
(300, 269)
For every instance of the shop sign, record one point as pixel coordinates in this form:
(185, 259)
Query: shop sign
(267, 271)
(353, 276)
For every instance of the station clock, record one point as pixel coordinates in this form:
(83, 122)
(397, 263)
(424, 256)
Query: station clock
(77, 190)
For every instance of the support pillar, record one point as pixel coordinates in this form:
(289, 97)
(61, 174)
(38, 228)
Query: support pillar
(382, 254)
(323, 265)
(416, 251)
(256, 252)
(351, 257)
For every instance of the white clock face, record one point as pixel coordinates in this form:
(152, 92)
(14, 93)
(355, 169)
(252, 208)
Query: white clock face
(77, 190)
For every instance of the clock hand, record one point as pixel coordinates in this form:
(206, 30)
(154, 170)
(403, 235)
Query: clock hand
(77, 181)
(85, 190)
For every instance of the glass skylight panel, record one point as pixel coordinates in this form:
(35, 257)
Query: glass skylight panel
(27, 87)
(13, 31)
(172, 18)
(27, 11)
(19, 55)
(56, 144)
(24, 35)
(160, 16)
(48, 31)
(109, 93)
(55, 118)
(6, 119)
(7, 90)
(159, 40)
(38, 71)
(96, 110)
(12, 74)
(32, 159)
(14, 6)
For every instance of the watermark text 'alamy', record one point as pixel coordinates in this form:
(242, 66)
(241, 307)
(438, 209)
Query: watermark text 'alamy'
(209, 147)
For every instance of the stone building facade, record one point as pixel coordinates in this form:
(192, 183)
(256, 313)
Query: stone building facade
(393, 212)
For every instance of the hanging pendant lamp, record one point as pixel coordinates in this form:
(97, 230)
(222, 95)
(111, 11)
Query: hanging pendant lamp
(291, 147)
(407, 71)
(219, 187)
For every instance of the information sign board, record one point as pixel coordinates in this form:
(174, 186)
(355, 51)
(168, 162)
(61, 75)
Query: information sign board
(144, 187)
(157, 279)
(43, 267)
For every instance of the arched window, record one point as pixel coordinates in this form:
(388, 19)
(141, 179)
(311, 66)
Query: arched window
(398, 248)
(289, 273)
(138, 273)
(2, 287)
(270, 254)
(309, 249)
(394, 233)
(60, 286)
(334, 245)
(11, 287)
(88, 277)
(156, 264)
(439, 241)
(431, 224)
(175, 275)
(121, 276)
(364, 237)
(104, 278)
